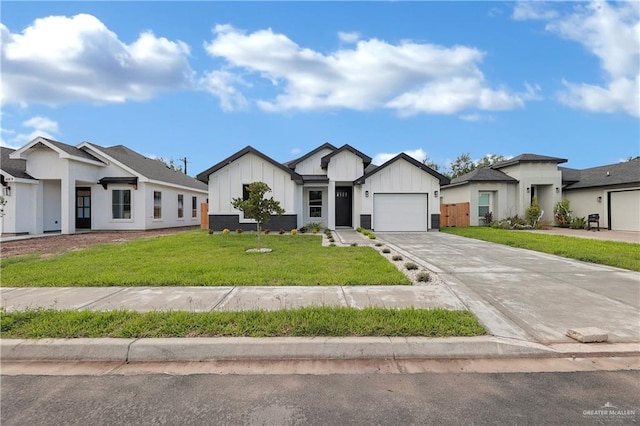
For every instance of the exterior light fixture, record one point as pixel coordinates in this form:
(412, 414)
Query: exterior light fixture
(435, 193)
(528, 190)
(599, 198)
(557, 190)
(7, 191)
(366, 194)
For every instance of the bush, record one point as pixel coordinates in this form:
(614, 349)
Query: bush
(488, 219)
(424, 277)
(533, 212)
(282, 231)
(331, 240)
(302, 230)
(411, 266)
(372, 236)
(294, 232)
(396, 257)
(378, 244)
(225, 231)
(354, 244)
(562, 213)
(313, 226)
(267, 231)
(386, 250)
(578, 223)
(238, 231)
(210, 231)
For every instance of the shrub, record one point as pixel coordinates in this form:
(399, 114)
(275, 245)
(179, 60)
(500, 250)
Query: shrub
(267, 231)
(331, 240)
(238, 231)
(411, 266)
(396, 257)
(372, 236)
(332, 245)
(378, 244)
(423, 277)
(533, 212)
(225, 231)
(294, 232)
(354, 244)
(359, 229)
(386, 250)
(302, 230)
(313, 226)
(578, 223)
(562, 213)
(282, 231)
(488, 219)
(210, 231)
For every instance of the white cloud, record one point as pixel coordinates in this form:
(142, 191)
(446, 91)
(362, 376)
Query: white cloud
(61, 59)
(532, 10)
(351, 37)
(475, 117)
(407, 77)
(383, 157)
(611, 32)
(296, 151)
(32, 128)
(41, 123)
(222, 85)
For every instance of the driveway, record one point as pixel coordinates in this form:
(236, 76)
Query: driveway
(528, 295)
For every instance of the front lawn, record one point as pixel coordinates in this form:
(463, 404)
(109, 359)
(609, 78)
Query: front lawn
(612, 253)
(315, 321)
(196, 258)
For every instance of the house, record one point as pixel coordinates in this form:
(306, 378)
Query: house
(612, 191)
(336, 186)
(507, 188)
(49, 186)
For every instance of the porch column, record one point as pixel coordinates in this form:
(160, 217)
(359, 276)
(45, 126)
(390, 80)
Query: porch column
(68, 206)
(331, 205)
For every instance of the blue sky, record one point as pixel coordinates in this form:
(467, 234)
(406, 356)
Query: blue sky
(436, 79)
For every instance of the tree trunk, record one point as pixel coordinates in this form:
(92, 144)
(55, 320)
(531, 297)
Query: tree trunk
(258, 225)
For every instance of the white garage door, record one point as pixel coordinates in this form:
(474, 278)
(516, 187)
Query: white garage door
(625, 211)
(400, 212)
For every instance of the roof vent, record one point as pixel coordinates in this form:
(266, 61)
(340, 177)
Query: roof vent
(607, 173)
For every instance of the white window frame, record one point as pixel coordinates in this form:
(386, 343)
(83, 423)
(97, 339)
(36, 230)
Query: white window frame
(180, 207)
(488, 205)
(159, 207)
(122, 219)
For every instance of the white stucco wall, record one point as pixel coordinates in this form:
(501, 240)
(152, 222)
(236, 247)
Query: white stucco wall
(19, 209)
(584, 202)
(544, 175)
(455, 194)
(226, 184)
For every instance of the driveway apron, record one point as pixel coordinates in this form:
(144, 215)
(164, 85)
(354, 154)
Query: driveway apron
(529, 295)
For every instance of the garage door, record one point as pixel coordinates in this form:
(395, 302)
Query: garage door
(625, 210)
(400, 212)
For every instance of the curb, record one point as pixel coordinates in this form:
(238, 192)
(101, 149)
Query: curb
(294, 348)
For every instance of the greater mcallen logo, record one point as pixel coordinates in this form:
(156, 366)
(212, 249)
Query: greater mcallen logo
(610, 412)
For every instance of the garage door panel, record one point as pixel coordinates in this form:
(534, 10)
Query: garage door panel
(625, 210)
(400, 212)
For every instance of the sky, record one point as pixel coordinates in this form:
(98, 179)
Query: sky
(202, 80)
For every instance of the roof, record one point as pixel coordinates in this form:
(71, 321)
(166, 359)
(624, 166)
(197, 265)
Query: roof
(16, 168)
(528, 158)
(72, 150)
(627, 172)
(293, 163)
(483, 174)
(324, 162)
(150, 168)
(204, 176)
(569, 175)
(402, 156)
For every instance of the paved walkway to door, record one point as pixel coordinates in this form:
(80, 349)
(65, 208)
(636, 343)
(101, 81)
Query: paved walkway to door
(528, 295)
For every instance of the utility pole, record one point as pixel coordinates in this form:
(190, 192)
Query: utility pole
(184, 160)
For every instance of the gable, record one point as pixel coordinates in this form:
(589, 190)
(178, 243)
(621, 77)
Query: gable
(443, 180)
(311, 164)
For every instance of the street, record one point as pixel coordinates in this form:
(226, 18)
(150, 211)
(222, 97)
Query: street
(585, 397)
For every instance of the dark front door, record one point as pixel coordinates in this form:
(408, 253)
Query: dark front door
(343, 205)
(83, 208)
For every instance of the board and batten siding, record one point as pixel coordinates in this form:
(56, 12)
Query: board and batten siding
(311, 165)
(345, 167)
(226, 184)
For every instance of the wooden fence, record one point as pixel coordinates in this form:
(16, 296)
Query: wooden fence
(204, 216)
(454, 215)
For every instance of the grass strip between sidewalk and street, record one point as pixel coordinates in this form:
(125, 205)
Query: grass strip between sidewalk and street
(195, 258)
(304, 322)
(611, 253)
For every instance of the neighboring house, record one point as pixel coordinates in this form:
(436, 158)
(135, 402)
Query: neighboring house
(50, 186)
(336, 186)
(507, 188)
(612, 191)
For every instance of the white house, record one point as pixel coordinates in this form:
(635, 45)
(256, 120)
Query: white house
(336, 186)
(507, 188)
(50, 186)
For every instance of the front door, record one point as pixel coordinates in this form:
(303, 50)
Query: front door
(83, 208)
(343, 206)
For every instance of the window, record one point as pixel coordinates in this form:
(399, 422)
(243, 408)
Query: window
(484, 203)
(194, 206)
(315, 203)
(121, 203)
(180, 205)
(157, 204)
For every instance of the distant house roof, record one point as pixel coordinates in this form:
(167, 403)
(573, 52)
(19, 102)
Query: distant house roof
(72, 150)
(569, 175)
(483, 174)
(528, 158)
(293, 163)
(150, 168)
(402, 156)
(627, 172)
(14, 167)
(204, 176)
(63, 150)
(324, 162)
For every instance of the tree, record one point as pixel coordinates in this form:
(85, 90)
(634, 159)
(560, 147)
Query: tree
(427, 162)
(170, 164)
(256, 206)
(490, 160)
(461, 165)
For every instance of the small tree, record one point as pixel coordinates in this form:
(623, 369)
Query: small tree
(533, 212)
(258, 207)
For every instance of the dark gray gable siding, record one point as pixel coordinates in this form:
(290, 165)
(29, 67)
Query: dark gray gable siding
(626, 173)
(443, 179)
(150, 168)
(204, 176)
(324, 162)
(16, 168)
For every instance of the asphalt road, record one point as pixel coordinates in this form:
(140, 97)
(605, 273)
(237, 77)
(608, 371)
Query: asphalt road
(398, 399)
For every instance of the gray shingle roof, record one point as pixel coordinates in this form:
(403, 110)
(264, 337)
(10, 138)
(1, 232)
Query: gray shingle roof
(16, 168)
(569, 175)
(528, 158)
(72, 150)
(627, 172)
(483, 174)
(150, 168)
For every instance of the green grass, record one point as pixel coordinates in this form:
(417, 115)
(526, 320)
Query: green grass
(196, 258)
(317, 321)
(612, 253)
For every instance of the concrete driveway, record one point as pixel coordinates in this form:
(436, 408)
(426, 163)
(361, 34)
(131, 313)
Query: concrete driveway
(528, 295)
